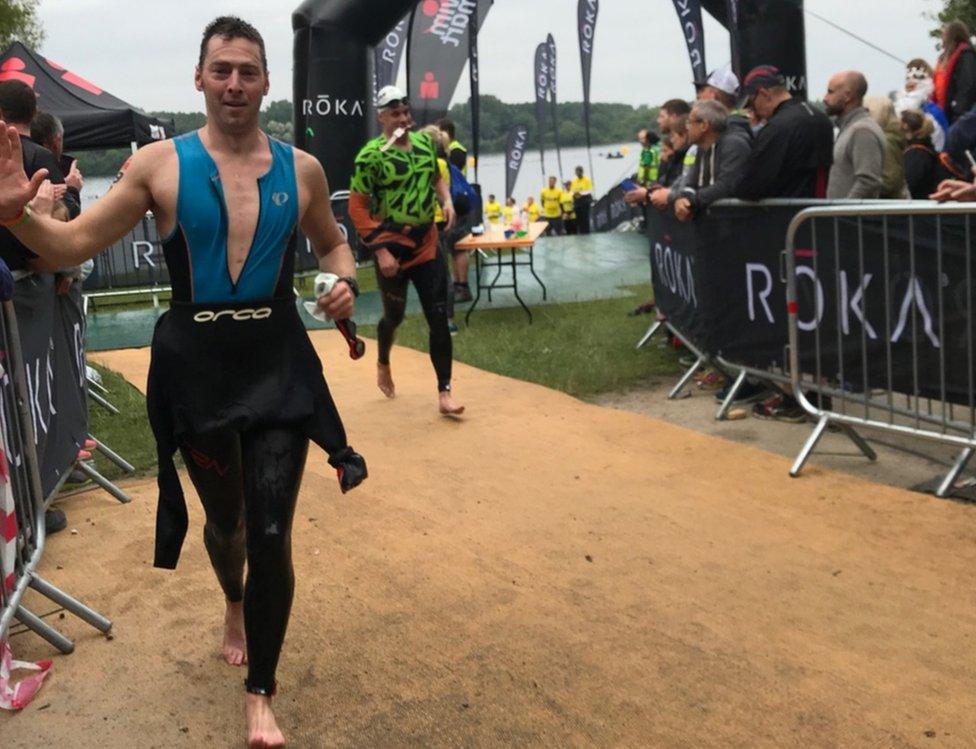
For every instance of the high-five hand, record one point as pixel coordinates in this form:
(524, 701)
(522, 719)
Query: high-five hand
(16, 190)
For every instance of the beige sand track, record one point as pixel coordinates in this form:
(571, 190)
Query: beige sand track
(545, 573)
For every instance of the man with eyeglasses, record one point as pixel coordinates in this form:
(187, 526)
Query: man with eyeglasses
(394, 188)
(723, 145)
(792, 153)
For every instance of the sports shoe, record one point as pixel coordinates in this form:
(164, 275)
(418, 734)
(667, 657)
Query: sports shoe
(462, 294)
(54, 520)
(452, 326)
(780, 408)
(748, 393)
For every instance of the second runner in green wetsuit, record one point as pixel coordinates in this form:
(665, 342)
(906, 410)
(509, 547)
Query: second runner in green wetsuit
(391, 202)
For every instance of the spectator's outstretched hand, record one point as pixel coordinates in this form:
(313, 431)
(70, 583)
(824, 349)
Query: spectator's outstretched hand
(636, 197)
(16, 190)
(659, 198)
(683, 210)
(43, 202)
(954, 189)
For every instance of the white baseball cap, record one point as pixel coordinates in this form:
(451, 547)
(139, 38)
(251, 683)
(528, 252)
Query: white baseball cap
(389, 95)
(722, 79)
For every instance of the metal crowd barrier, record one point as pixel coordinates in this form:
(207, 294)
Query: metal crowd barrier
(896, 353)
(873, 313)
(18, 570)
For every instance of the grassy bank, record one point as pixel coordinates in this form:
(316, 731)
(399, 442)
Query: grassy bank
(583, 349)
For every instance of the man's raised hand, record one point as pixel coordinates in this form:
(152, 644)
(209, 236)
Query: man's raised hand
(16, 190)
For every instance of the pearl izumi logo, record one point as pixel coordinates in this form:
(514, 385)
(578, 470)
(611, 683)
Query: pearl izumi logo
(279, 198)
(240, 315)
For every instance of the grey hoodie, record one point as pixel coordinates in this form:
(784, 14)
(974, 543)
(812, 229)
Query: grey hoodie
(719, 169)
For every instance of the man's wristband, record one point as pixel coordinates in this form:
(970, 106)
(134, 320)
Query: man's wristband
(352, 284)
(21, 218)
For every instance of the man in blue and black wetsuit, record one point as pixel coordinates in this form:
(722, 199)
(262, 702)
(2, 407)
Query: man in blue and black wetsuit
(234, 383)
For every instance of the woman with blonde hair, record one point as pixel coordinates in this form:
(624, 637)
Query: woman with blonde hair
(955, 73)
(882, 111)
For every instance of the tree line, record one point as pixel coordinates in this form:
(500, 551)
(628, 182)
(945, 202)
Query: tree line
(609, 123)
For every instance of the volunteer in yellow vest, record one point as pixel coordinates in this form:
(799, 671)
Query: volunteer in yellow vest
(649, 169)
(569, 211)
(531, 209)
(508, 212)
(582, 189)
(456, 153)
(552, 209)
(493, 211)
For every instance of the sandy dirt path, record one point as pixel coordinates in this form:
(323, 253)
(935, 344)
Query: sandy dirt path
(545, 573)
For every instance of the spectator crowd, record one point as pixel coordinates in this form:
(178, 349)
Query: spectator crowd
(754, 140)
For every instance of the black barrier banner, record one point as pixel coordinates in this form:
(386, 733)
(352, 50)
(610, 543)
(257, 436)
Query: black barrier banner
(388, 53)
(553, 107)
(134, 261)
(587, 12)
(518, 139)
(690, 15)
(541, 83)
(52, 329)
(437, 51)
(878, 305)
(611, 211)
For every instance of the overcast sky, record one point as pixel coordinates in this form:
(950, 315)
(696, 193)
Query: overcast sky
(145, 52)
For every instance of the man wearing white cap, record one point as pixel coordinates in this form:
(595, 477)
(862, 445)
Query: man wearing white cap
(394, 188)
(721, 85)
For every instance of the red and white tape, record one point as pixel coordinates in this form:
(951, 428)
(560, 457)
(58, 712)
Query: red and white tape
(18, 696)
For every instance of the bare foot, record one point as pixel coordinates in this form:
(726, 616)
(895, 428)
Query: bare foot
(384, 378)
(448, 406)
(234, 648)
(262, 730)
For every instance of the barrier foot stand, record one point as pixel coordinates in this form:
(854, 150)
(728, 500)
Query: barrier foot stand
(103, 403)
(726, 406)
(676, 392)
(103, 482)
(95, 384)
(861, 443)
(649, 334)
(73, 605)
(809, 446)
(40, 627)
(945, 488)
(113, 456)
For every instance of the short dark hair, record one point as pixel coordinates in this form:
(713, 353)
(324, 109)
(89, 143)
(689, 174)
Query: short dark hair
(232, 27)
(677, 107)
(44, 128)
(18, 104)
(447, 126)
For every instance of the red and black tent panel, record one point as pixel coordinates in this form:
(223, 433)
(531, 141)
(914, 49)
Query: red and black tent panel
(92, 117)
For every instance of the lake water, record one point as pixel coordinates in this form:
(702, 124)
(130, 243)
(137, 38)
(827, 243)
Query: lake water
(491, 172)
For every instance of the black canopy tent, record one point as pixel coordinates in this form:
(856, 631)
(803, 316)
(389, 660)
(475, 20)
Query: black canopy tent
(92, 118)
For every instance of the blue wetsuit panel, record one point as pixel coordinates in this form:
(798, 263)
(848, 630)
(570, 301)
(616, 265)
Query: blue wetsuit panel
(196, 251)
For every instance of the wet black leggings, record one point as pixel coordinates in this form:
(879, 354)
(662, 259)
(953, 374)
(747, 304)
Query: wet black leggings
(248, 484)
(430, 281)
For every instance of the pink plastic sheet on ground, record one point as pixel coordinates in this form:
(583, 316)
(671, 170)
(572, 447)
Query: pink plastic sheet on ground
(18, 696)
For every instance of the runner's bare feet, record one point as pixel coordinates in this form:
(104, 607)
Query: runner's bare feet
(234, 648)
(448, 406)
(384, 378)
(262, 730)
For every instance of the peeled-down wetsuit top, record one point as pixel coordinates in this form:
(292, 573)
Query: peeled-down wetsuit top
(232, 355)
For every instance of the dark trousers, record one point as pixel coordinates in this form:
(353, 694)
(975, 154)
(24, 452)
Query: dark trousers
(582, 207)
